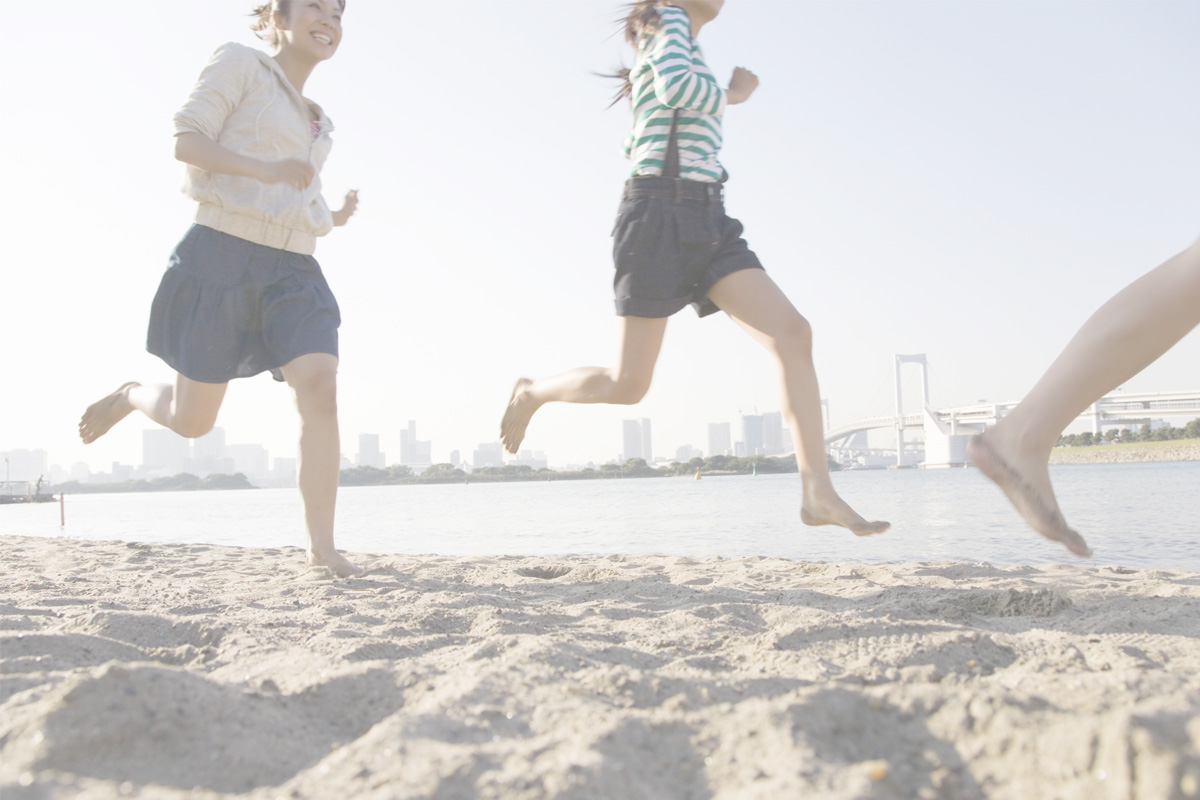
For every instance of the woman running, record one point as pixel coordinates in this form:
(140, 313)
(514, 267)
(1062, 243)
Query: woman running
(674, 246)
(243, 294)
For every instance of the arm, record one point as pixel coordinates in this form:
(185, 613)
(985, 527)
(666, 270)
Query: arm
(203, 153)
(676, 83)
(741, 86)
(221, 88)
(349, 206)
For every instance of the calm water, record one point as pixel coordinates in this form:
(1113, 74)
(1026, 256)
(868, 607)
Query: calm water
(1144, 515)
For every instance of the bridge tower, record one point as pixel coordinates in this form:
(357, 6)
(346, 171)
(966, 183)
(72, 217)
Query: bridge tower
(900, 360)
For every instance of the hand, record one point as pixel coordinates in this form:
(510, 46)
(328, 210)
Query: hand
(349, 206)
(292, 171)
(741, 86)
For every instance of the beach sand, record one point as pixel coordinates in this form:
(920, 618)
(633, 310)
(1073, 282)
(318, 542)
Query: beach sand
(196, 671)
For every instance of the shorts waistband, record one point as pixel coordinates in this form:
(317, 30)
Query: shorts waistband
(678, 190)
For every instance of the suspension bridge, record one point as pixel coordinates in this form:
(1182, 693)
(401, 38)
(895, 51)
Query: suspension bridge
(933, 437)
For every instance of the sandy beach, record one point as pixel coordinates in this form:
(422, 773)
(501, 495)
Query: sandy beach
(195, 671)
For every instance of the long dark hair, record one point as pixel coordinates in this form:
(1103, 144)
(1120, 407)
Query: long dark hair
(641, 17)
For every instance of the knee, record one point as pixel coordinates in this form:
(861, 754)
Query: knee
(192, 428)
(628, 390)
(794, 336)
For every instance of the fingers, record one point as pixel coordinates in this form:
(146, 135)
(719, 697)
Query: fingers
(296, 173)
(351, 203)
(302, 174)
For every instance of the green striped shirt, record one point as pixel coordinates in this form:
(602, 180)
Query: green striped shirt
(669, 73)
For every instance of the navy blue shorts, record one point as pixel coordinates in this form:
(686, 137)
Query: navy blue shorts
(671, 243)
(229, 308)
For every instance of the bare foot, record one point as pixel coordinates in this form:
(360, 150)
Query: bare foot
(341, 566)
(516, 417)
(1026, 481)
(104, 413)
(833, 510)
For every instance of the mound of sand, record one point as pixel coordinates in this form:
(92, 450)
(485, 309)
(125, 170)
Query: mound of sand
(192, 671)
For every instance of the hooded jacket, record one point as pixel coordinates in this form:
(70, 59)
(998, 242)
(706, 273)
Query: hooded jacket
(244, 102)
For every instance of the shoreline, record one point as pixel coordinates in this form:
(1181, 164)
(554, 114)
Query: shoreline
(198, 671)
(1127, 454)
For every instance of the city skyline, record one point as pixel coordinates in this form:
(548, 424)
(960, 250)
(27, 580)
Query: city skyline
(166, 453)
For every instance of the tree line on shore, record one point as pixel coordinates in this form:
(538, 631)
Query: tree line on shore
(632, 468)
(183, 482)
(1128, 436)
(448, 473)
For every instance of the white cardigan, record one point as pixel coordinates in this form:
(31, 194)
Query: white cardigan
(244, 102)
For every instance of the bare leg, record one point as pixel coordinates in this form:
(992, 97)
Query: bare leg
(189, 408)
(625, 384)
(1127, 334)
(754, 302)
(313, 378)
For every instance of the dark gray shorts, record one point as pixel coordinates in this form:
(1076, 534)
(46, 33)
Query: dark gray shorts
(229, 308)
(671, 243)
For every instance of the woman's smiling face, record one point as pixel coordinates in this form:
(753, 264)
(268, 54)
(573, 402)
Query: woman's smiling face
(313, 27)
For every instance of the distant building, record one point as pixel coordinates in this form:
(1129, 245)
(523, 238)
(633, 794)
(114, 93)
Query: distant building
(414, 452)
(529, 458)
(284, 470)
(631, 439)
(368, 451)
(249, 459)
(164, 452)
(719, 439)
(752, 434)
(488, 454)
(24, 465)
(209, 456)
(772, 432)
(210, 445)
(455, 458)
(686, 453)
(635, 438)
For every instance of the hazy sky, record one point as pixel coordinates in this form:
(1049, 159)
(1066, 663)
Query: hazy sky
(965, 179)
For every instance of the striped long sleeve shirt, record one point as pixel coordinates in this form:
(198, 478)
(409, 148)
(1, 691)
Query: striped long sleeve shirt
(669, 73)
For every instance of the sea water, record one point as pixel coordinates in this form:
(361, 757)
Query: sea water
(1138, 515)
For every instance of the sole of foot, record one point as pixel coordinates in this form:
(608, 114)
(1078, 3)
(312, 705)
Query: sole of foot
(516, 418)
(1041, 515)
(105, 413)
(857, 525)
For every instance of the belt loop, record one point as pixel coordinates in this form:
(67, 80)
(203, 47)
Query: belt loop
(678, 191)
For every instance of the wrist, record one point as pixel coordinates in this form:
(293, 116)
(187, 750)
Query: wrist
(255, 168)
